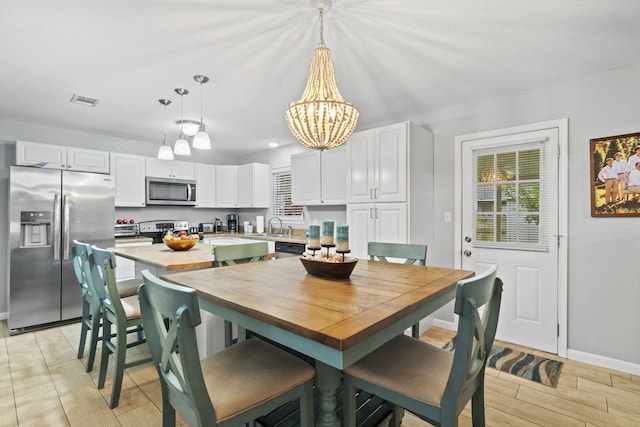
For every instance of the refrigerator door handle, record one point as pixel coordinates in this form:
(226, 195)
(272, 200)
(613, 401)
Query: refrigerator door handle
(56, 228)
(65, 229)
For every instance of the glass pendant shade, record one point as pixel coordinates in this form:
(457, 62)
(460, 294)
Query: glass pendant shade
(201, 139)
(165, 152)
(182, 147)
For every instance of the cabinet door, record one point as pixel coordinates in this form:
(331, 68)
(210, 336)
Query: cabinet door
(244, 185)
(226, 186)
(360, 167)
(48, 155)
(183, 170)
(334, 176)
(391, 163)
(159, 168)
(205, 186)
(391, 222)
(79, 159)
(306, 179)
(253, 185)
(129, 173)
(360, 217)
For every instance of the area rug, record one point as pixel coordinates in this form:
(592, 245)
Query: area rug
(524, 365)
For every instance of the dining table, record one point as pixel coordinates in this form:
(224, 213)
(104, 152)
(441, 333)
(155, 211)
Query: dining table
(335, 322)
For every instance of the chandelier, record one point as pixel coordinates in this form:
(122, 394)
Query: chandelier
(321, 119)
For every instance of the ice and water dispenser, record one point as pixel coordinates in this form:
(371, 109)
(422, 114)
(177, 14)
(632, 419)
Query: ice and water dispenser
(35, 228)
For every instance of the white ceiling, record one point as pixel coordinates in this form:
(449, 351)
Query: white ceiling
(393, 58)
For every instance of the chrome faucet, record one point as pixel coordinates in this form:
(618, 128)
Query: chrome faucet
(271, 225)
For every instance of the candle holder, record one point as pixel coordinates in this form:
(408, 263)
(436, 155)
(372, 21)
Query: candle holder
(348, 251)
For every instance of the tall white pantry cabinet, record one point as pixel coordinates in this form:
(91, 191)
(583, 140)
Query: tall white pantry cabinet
(390, 186)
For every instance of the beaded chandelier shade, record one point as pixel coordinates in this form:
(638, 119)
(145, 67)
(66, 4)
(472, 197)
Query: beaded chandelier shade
(321, 119)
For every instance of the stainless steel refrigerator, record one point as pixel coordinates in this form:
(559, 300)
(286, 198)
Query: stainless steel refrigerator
(48, 209)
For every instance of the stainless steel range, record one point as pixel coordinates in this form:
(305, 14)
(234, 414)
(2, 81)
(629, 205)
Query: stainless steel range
(157, 229)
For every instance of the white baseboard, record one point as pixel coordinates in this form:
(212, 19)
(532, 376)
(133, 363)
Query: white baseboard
(445, 324)
(4, 316)
(605, 362)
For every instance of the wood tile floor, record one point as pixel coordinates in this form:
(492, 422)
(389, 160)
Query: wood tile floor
(42, 383)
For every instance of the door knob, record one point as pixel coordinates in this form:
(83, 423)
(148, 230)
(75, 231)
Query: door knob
(467, 239)
(467, 252)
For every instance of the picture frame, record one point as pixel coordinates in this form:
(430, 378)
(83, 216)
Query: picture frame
(612, 191)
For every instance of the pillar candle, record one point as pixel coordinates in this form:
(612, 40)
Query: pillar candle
(314, 236)
(327, 233)
(342, 238)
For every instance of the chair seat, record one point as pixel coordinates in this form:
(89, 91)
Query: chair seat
(128, 287)
(246, 368)
(131, 307)
(407, 366)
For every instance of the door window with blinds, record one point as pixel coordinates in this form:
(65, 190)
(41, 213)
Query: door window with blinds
(509, 192)
(282, 206)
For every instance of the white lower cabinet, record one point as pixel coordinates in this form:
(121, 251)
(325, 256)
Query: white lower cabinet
(379, 222)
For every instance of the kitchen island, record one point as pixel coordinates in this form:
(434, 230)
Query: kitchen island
(161, 256)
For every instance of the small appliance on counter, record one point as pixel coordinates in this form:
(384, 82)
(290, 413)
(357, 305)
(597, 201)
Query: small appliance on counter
(232, 223)
(125, 230)
(157, 229)
(207, 227)
(218, 225)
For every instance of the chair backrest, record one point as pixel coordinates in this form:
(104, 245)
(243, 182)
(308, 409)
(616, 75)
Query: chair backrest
(103, 266)
(174, 348)
(410, 252)
(475, 334)
(82, 267)
(236, 254)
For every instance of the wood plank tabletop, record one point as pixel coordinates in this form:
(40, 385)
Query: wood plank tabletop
(160, 255)
(337, 313)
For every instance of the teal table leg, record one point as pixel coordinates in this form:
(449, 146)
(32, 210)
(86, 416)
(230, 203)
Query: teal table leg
(327, 382)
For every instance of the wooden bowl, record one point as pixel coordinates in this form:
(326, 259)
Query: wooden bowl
(331, 270)
(181, 245)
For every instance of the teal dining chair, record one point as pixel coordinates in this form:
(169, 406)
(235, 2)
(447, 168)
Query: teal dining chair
(91, 320)
(230, 388)
(120, 316)
(225, 255)
(408, 253)
(430, 382)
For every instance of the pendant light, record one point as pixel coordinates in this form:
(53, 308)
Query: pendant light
(321, 119)
(182, 145)
(201, 139)
(165, 152)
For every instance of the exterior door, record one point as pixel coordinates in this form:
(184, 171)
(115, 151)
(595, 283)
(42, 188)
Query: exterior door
(510, 217)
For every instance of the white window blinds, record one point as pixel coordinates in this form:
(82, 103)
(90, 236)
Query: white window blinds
(282, 206)
(510, 195)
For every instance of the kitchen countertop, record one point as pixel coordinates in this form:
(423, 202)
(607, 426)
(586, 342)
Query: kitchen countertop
(160, 255)
(295, 238)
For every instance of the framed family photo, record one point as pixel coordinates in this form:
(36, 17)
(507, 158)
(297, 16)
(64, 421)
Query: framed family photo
(615, 175)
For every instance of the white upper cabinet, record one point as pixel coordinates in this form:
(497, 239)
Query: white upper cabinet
(205, 186)
(319, 177)
(377, 165)
(60, 157)
(226, 182)
(253, 185)
(170, 168)
(128, 171)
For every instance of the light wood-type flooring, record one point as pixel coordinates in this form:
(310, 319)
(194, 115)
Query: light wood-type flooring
(42, 383)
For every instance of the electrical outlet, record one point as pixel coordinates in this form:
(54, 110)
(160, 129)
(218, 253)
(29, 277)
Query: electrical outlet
(447, 216)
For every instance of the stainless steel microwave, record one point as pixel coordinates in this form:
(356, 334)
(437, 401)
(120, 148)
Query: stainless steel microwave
(170, 191)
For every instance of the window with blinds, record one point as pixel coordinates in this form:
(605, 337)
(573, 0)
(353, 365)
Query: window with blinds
(282, 206)
(509, 197)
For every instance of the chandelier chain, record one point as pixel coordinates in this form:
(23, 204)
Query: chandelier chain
(321, 44)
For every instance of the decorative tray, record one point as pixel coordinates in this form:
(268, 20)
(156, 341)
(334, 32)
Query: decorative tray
(334, 268)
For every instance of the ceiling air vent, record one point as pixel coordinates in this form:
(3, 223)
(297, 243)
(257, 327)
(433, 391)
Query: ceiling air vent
(84, 100)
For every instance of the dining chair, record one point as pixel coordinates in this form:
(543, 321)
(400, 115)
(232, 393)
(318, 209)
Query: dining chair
(120, 314)
(430, 382)
(230, 388)
(225, 255)
(91, 308)
(408, 253)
